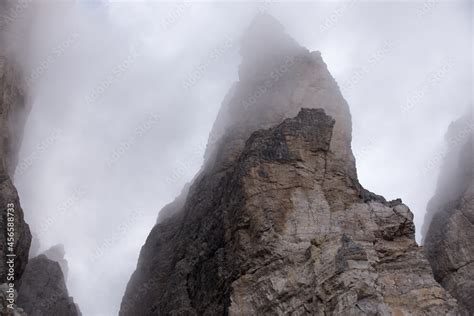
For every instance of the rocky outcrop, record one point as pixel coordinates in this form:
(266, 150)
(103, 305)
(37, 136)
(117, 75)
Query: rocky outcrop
(13, 110)
(449, 221)
(41, 281)
(276, 222)
(57, 253)
(43, 290)
(8, 297)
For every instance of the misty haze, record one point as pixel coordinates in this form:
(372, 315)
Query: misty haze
(236, 158)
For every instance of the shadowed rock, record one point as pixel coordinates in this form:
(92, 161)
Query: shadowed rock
(449, 220)
(13, 111)
(43, 290)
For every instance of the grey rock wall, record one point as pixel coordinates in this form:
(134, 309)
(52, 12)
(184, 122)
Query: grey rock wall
(43, 290)
(449, 221)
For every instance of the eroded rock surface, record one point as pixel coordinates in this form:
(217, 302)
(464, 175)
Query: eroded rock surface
(449, 222)
(276, 222)
(40, 279)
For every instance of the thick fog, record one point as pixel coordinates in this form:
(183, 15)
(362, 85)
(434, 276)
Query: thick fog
(124, 95)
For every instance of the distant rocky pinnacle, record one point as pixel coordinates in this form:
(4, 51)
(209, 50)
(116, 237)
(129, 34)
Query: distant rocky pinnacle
(41, 279)
(57, 253)
(43, 290)
(449, 221)
(276, 222)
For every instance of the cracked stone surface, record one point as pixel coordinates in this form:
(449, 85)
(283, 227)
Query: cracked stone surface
(276, 222)
(449, 221)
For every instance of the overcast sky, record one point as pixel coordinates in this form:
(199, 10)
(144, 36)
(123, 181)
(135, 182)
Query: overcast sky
(124, 95)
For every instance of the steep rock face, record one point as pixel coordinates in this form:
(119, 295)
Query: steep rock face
(43, 290)
(13, 111)
(449, 222)
(5, 302)
(276, 221)
(278, 77)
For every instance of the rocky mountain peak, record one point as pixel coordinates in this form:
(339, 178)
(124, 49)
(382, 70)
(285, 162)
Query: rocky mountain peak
(276, 222)
(449, 219)
(277, 78)
(57, 253)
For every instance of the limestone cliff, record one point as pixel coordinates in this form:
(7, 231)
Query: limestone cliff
(276, 222)
(449, 221)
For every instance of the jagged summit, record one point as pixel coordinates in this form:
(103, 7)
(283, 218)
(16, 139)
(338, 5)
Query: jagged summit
(276, 222)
